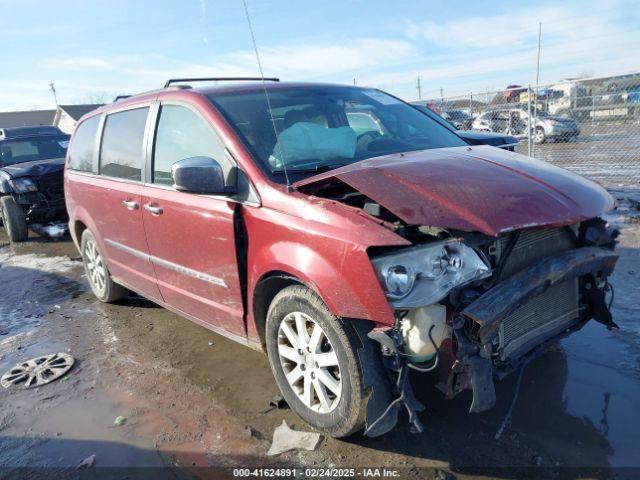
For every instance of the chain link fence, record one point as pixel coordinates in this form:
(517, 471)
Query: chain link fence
(590, 126)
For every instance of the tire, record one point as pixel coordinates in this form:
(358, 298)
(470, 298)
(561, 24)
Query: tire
(14, 220)
(539, 135)
(102, 286)
(336, 379)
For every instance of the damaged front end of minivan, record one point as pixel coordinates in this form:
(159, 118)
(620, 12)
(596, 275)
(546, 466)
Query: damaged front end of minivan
(496, 303)
(482, 291)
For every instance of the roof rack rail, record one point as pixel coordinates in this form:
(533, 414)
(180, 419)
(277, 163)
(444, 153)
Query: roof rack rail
(121, 97)
(220, 79)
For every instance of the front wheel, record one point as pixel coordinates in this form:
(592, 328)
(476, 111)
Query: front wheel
(315, 363)
(539, 135)
(13, 219)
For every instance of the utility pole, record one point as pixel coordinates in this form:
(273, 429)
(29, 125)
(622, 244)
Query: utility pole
(538, 61)
(419, 87)
(52, 87)
(529, 146)
(535, 104)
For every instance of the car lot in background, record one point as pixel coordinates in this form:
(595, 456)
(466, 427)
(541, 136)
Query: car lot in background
(515, 121)
(512, 93)
(31, 180)
(500, 140)
(458, 118)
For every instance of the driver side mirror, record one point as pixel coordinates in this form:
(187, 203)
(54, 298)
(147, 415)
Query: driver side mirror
(199, 175)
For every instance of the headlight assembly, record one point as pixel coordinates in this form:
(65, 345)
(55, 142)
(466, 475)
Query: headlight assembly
(399, 280)
(23, 185)
(425, 274)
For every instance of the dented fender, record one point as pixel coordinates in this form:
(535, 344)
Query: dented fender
(347, 293)
(324, 245)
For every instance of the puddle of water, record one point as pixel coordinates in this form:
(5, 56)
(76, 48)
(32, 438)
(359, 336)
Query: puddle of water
(603, 388)
(603, 384)
(33, 285)
(29, 294)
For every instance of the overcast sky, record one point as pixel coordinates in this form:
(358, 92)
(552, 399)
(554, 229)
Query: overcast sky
(94, 50)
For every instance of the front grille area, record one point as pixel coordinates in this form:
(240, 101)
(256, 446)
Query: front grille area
(533, 246)
(51, 185)
(547, 314)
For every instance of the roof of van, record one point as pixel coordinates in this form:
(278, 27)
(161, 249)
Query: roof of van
(222, 88)
(228, 88)
(259, 86)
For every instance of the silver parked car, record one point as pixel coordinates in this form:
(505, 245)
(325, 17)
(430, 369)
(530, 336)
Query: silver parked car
(514, 121)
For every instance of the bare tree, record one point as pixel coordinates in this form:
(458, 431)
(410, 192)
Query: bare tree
(93, 98)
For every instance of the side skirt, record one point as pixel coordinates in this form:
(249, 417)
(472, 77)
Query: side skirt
(220, 331)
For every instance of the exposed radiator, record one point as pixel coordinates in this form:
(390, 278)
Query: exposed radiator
(547, 314)
(532, 246)
(539, 319)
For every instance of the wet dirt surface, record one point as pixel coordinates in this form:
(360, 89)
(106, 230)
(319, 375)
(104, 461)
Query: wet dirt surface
(193, 398)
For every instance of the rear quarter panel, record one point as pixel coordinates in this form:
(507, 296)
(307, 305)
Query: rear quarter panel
(81, 192)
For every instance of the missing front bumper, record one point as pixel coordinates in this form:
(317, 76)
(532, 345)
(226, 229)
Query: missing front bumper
(489, 311)
(475, 364)
(494, 306)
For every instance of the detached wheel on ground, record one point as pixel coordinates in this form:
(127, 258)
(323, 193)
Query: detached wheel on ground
(105, 289)
(14, 220)
(314, 360)
(539, 135)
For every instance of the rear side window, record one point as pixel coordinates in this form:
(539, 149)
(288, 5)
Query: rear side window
(122, 151)
(81, 150)
(183, 134)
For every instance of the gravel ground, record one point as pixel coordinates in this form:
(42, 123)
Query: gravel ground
(193, 399)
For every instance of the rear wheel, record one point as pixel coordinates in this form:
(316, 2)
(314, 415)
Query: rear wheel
(314, 360)
(103, 287)
(539, 135)
(14, 220)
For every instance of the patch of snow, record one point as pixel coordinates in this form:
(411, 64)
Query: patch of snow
(37, 262)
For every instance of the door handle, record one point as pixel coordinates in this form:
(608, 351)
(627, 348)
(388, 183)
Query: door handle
(153, 209)
(130, 204)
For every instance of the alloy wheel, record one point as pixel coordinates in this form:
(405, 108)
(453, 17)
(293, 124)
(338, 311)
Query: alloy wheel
(96, 270)
(310, 362)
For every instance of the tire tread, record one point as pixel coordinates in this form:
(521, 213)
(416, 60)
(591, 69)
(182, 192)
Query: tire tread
(353, 419)
(15, 223)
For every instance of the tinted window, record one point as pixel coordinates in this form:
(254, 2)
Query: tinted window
(81, 151)
(313, 128)
(30, 149)
(183, 134)
(122, 152)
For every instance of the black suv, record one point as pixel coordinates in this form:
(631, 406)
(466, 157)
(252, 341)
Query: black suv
(472, 137)
(31, 179)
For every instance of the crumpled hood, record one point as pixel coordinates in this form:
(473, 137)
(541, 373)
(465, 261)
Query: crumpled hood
(479, 188)
(34, 169)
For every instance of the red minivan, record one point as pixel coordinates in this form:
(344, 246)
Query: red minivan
(342, 231)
